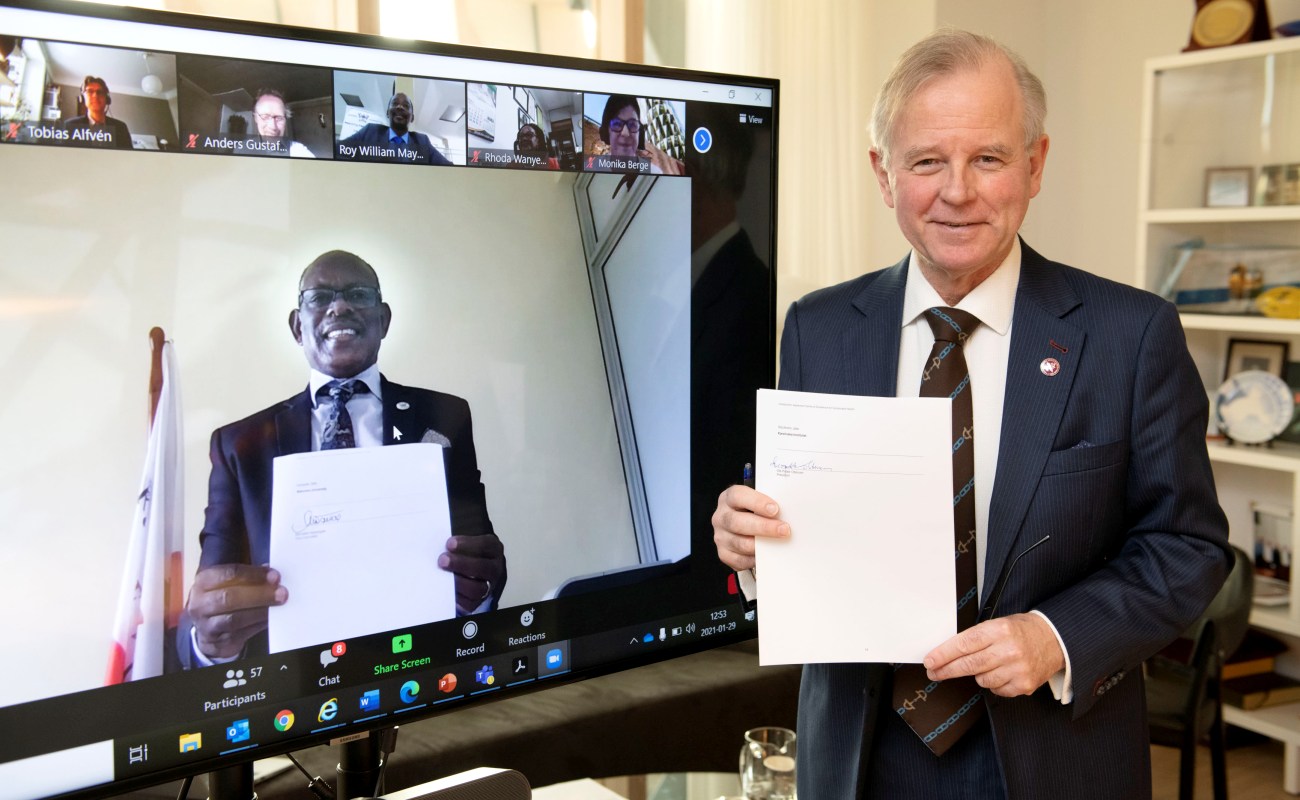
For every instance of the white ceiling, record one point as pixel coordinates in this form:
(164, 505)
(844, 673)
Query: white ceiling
(123, 70)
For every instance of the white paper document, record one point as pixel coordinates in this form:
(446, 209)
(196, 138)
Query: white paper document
(354, 531)
(865, 483)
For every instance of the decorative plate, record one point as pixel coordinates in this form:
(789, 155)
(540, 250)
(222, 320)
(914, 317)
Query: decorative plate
(1221, 22)
(1253, 406)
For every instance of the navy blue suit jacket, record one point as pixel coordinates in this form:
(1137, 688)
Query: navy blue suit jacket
(1108, 457)
(237, 521)
(378, 135)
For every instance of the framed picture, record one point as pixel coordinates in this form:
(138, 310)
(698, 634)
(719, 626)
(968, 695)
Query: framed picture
(1268, 189)
(1292, 378)
(522, 97)
(1278, 185)
(524, 119)
(1228, 186)
(1245, 354)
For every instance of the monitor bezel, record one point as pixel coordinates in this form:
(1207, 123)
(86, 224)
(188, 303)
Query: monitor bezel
(219, 25)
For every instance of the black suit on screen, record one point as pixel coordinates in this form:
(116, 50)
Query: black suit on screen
(1108, 457)
(120, 133)
(237, 522)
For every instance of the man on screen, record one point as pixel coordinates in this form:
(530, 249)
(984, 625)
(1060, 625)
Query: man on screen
(394, 141)
(95, 128)
(272, 115)
(339, 323)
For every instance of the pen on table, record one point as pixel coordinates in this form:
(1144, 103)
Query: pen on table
(745, 579)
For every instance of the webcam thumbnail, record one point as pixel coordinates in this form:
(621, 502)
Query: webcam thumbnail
(521, 127)
(254, 108)
(622, 133)
(77, 95)
(399, 119)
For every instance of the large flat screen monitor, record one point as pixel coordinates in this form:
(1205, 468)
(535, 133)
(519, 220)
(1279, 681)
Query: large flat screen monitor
(564, 269)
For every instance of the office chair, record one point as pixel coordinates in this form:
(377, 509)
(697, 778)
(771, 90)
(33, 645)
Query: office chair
(1184, 700)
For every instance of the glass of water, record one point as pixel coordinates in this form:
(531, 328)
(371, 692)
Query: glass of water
(767, 764)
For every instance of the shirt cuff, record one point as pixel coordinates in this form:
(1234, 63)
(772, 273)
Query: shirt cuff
(201, 660)
(1062, 683)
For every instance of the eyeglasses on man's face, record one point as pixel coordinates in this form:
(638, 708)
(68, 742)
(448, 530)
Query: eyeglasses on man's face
(276, 118)
(322, 298)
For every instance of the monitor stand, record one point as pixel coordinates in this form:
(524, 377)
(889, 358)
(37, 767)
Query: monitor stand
(359, 768)
(232, 783)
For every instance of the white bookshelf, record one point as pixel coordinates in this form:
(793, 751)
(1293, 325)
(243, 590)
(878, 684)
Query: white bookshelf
(1234, 106)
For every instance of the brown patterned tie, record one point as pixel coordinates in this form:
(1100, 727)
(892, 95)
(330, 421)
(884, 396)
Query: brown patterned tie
(941, 711)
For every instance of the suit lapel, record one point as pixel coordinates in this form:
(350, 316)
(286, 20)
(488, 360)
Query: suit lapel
(870, 342)
(401, 424)
(1034, 402)
(395, 430)
(293, 425)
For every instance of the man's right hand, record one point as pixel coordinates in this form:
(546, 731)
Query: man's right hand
(742, 514)
(228, 606)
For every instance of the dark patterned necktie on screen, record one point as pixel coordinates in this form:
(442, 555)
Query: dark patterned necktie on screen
(941, 711)
(337, 433)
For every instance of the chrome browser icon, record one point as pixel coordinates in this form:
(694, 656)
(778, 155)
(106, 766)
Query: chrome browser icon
(284, 720)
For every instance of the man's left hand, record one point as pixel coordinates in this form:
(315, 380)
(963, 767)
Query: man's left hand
(479, 564)
(1009, 656)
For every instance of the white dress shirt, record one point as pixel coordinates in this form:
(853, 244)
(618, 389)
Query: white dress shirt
(365, 408)
(987, 352)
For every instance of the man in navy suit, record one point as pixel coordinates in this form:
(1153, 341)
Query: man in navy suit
(339, 323)
(1097, 528)
(394, 141)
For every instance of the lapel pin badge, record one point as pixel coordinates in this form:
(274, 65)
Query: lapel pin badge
(1049, 367)
(402, 406)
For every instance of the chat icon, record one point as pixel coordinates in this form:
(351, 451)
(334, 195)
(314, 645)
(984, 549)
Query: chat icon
(326, 658)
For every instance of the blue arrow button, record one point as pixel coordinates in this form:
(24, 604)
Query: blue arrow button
(702, 140)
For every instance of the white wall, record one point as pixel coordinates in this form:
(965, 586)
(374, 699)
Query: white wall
(831, 58)
(1092, 70)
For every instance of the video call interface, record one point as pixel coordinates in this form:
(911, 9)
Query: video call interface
(587, 320)
(220, 105)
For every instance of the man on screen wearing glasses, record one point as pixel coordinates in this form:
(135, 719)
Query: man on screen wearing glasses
(340, 322)
(271, 116)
